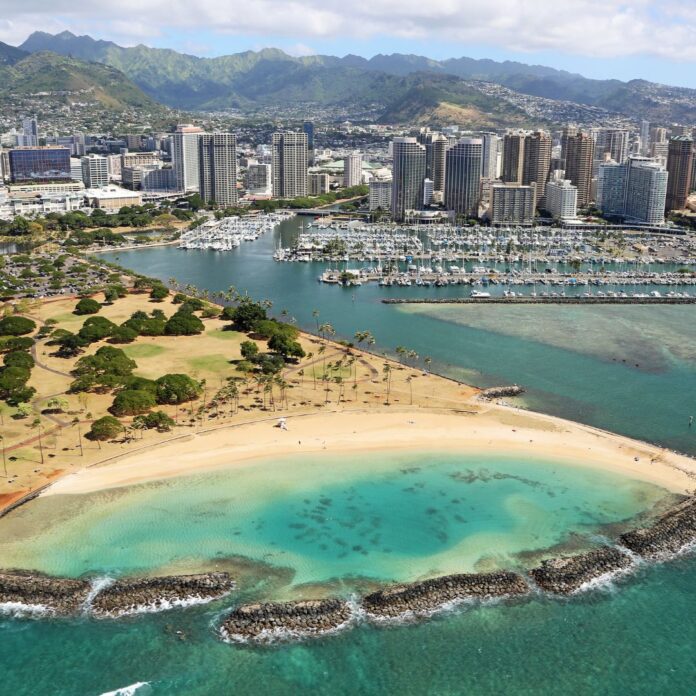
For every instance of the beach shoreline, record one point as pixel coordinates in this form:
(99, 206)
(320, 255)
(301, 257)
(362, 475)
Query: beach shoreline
(496, 430)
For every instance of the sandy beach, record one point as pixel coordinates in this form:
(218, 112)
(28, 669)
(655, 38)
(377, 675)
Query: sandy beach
(494, 430)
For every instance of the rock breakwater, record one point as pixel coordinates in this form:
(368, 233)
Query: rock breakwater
(56, 595)
(499, 392)
(430, 595)
(154, 594)
(669, 534)
(277, 620)
(568, 573)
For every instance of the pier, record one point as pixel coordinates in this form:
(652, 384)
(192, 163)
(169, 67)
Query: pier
(574, 300)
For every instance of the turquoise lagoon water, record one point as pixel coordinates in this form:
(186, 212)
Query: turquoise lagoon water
(373, 516)
(630, 369)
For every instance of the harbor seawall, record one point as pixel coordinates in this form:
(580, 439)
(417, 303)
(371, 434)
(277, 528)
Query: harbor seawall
(577, 300)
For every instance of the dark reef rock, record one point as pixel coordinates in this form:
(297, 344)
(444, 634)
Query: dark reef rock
(267, 621)
(128, 596)
(59, 595)
(431, 594)
(671, 532)
(566, 574)
(498, 392)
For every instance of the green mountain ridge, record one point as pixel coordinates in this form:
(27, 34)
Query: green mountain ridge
(49, 72)
(270, 75)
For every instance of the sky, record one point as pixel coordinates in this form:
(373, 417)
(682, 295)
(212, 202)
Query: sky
(622, 39)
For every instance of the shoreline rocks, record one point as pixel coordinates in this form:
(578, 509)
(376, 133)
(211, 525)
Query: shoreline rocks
(499, 392)
(429, 595)
(264, 622)
(568, 573)
(57, 595)
(155, 594)
(671, 532)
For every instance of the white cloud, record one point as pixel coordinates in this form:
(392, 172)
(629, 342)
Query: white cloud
(594, 28)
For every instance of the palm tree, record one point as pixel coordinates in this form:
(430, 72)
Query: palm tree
(427, 360)
(401, 352)
(321, 350)
(36, 423)
(315, 314)
(4, 459)
(409, 379)
(76, 421)
(339, 380)
(386, 371)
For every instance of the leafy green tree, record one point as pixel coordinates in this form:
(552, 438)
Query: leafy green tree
(159, 293)
(158, 420)
(123, 334)
(177, 389)
(18, 343)
(105, 428)
(132, 402)
(285, 346)
(96, 329)
(16, 326)
(87, 306)
(245, 315)
(183, 324)
(18, 358)
(249, 350)
(140, 383)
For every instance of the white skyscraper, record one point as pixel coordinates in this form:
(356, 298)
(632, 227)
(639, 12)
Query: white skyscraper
(645, 137)
(380, 194)
(512, 204)
(352, 169)
(408, 175)
(95, 171)
(186, 157)
(218, 168)
(289, 151)
(561, 199)
(30, 132)
(635, 191)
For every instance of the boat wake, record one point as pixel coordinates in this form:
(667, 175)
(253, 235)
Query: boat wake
(129, 690)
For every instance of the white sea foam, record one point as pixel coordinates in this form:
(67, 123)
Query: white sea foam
(20, 610)
(158, 606)
(98, 584)
(129, 690)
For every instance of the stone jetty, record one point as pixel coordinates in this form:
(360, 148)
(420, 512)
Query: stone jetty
(265, 622)
(57, 595)
(429, 595)
(499, 392)
(154, 594)
(568, 573)
(670, 532)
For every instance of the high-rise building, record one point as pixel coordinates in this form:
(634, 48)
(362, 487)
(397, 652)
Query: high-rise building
(566, 133)
(436, 145)
(352, 169)
(646, 191)
(512, 204)
(218, 168)
(491, 156)
(380, 194)
(308, 130)
(537, 163)
(186, 157)
(579, 158)
(680, 163)
(645, 137)
(611, 188)
(95, 171)
(635, 190)
(259, 180)
(30, 132)
(317, 184)
(513, 157)
(561, 199)
(611, 143)
(39, 165)
(463, 168)
(289, 153)
(408, 175)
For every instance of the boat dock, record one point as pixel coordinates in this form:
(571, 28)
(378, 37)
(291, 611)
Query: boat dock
(573, 300)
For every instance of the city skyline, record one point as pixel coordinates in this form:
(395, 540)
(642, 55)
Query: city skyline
(604, 40)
